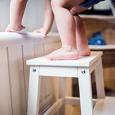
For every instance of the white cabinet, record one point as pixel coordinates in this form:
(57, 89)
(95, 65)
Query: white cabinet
(15, 49)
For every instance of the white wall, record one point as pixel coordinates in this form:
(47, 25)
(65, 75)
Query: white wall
(4, 15)
(33, 17)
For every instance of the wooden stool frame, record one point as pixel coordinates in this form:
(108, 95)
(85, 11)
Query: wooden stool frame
(80, 69)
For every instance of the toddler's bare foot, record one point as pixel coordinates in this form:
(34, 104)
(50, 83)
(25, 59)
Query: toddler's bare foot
(42, 31)
(84, 52)
(14, 28)
(62, 54)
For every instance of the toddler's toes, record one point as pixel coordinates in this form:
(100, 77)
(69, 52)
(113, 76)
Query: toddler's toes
(15, 28)
(42, 31)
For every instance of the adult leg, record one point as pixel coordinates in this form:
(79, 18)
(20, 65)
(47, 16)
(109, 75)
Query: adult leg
(17, 8)
(67, 30)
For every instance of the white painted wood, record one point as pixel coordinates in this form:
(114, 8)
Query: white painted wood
(19, 35)
(36, 50)
(85, 90)
(28, 52)
(10, 38)
(99, 79)
(54, 44)
(58, 71)
(34, 88)
(5, 85)
(105, 106)
(15, 49)
(40, 48)
(17, 80)
(85, 62)
(77, 69)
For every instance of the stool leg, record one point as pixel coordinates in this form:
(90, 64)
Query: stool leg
(62, 94)
(33, 96)
(99, 80)
(85, 90)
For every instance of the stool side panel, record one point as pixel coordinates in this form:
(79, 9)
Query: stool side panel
(58, 71)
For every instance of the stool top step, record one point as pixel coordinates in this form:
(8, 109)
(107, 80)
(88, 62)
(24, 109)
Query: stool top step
(83, 62)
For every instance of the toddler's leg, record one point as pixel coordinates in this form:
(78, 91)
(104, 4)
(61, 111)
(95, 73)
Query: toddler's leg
(81, 40)
(48, 19)
(67, 30)
(17, 8)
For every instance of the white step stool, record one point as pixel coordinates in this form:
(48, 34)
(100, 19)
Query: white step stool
(80, 69)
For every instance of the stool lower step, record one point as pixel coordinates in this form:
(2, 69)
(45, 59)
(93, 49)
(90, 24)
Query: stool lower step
(105, 106)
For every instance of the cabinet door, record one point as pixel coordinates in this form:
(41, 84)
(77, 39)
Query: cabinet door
(5, 96)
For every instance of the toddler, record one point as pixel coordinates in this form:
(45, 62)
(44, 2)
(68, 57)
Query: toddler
(71, 28)
(17, 8)
(70, 25)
